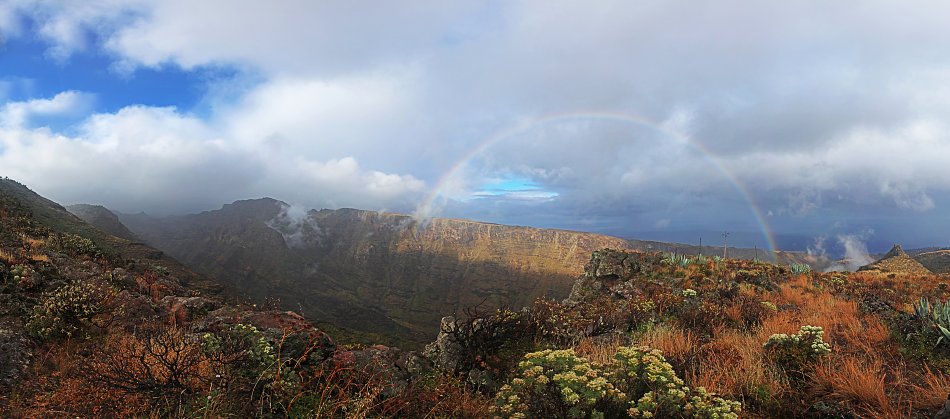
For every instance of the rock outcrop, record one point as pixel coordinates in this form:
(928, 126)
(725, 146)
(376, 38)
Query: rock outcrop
(609, 272)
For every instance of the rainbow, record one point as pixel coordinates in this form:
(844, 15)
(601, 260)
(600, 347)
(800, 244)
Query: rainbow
(427, 205)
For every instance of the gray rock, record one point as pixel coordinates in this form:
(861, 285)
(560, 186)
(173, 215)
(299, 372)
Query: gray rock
(15, 356)
(445, 353)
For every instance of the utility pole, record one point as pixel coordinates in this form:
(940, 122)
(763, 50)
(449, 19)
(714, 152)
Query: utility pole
(725, 242)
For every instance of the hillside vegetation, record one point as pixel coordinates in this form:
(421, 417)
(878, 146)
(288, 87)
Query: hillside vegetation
(92, 330)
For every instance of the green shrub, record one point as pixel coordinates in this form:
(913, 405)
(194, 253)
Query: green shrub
(76, 245)
(638, 382)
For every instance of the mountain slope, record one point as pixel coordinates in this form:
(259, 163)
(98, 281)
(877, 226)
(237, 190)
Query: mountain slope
(381, 274)
(92, 325)
(54, 216)
(897, 261)
(937, 261)
(103, 219)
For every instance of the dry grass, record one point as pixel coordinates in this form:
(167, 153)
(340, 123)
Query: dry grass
(846, 327)
(733, 313)
(862, 382)
(906, 288)
(8, 257)
(931, 389)
(677, 345)
(34, 244)
(600, 351)
(732, 364)
(39, 257)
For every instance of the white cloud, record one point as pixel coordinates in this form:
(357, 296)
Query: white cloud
(295, 37)
(159, 159)
(70, 103)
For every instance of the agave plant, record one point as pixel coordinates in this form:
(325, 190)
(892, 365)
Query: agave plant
(937, 313)
(800, 268)
(684, 261)
(674, 259)
(701, 259)
(668, 259)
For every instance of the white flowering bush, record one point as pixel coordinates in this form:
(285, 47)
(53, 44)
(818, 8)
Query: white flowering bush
(793, 351)
(66, 310)
(638, 382)
(653, 389)
(689, 293)
(555, 383)
(24, 276)
(257, 349)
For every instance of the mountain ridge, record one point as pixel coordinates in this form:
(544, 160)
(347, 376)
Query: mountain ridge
(385, 274)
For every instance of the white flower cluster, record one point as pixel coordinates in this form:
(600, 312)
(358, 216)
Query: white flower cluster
(638, 380)
(809, 337)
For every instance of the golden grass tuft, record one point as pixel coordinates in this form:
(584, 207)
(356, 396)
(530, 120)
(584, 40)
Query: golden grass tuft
(846, 327)
(732, 364)
(34, 244)
(677, 345)
(599, 351)
(8, 257)
(931, 389)
(863, 382)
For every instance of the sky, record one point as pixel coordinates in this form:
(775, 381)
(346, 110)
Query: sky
(793, 125)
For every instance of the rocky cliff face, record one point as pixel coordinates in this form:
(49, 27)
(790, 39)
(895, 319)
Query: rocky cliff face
(384, 275)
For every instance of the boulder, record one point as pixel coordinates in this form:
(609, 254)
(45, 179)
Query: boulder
(446, 353)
